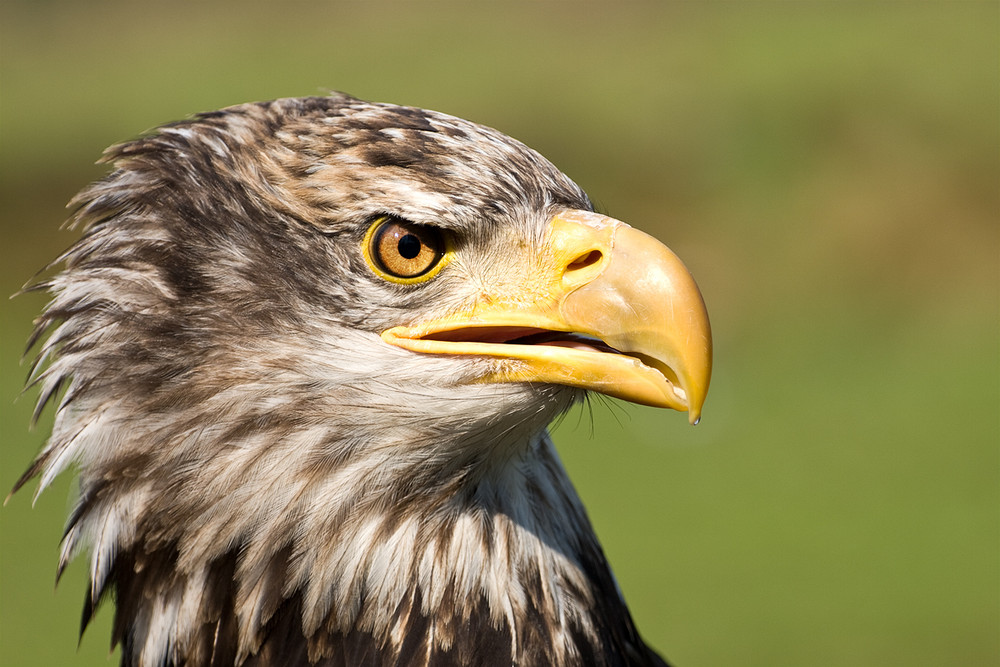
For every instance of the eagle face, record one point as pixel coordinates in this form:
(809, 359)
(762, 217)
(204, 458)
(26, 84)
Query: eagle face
(310, 348)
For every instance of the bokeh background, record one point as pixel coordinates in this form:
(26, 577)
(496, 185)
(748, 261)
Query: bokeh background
(830, 172)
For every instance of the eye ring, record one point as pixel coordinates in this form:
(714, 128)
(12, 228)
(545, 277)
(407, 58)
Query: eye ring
(404, 252)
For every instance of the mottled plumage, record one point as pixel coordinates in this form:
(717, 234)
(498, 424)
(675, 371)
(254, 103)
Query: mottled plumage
(263, 480)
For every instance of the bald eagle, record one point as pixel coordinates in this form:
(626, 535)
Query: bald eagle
(304, 357)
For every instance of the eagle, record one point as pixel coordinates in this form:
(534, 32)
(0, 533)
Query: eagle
(303, 359)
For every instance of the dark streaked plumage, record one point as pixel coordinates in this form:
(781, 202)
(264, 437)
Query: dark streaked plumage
(264, 481)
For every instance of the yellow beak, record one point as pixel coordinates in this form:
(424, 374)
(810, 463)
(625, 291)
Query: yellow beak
(613, 310)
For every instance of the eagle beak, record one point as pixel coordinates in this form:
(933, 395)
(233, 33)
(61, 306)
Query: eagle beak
(608, 308)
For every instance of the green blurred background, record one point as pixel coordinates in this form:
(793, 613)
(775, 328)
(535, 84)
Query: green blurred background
(830, 173)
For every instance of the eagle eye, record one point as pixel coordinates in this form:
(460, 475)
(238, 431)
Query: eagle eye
(404, 252)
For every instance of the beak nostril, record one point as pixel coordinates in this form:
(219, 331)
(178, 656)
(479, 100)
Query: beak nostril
(585, 260)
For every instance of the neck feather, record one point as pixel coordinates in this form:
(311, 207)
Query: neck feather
(504, 570)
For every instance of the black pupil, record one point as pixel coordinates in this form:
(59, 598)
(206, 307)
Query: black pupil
(409, 246)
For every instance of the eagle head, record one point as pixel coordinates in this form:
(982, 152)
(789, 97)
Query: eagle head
(307, 351)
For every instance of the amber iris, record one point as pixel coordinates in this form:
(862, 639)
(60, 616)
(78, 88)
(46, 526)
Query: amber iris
(406, 250)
